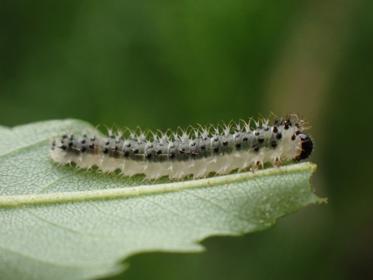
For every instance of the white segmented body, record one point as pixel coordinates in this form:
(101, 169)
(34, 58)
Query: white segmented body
(197, 154)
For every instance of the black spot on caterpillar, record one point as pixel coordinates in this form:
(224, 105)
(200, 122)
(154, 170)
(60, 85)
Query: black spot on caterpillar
(198, 153)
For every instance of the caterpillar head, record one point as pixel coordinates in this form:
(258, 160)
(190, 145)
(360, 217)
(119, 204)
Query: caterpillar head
(306, 146)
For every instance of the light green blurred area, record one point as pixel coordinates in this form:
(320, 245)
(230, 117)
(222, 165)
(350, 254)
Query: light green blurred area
(163, 64)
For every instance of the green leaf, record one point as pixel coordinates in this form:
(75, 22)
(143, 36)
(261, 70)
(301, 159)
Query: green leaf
(62, 223)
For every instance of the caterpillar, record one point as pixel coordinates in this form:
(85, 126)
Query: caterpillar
(197, 152)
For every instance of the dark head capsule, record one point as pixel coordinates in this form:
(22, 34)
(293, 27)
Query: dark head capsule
(306, 146)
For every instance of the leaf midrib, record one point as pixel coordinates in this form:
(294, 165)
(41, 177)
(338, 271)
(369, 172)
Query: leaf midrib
(127, 192)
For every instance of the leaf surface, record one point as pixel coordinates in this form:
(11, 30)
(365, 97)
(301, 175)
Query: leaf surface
(63, 223)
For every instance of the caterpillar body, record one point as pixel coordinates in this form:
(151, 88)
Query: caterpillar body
(198, 152)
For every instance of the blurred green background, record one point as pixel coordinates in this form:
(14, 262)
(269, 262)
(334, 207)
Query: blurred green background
(161, 64)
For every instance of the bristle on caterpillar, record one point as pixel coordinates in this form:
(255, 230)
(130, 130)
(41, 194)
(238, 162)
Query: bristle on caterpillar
(198, 152)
